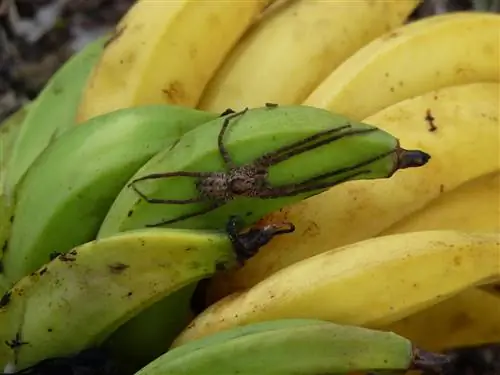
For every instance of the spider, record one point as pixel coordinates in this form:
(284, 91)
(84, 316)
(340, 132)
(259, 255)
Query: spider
(250, 179)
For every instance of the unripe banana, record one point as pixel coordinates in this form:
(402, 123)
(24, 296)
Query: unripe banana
(160, 54)
(293, 346)
(371, 283)
(378, 75)
(51, 113)
(9, 130)
(66, 194)
(78, 299)
(251, 163)
(314, 37)
(363, 209)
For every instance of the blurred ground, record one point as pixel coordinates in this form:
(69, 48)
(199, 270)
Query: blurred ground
(37, 36)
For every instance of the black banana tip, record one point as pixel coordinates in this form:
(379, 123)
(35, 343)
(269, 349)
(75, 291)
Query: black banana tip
(412, 158)
(428, 362)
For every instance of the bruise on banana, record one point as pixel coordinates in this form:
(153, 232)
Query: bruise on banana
(251, 179)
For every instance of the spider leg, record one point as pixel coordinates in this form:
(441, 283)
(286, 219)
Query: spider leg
(309, 184)
(309, 143)
(220, 139)
(292, 190)
(154, 176)
(166, 175)
(167, 201)
(206, 210)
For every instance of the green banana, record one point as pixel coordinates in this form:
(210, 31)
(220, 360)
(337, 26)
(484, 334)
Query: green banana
(293, 346)
(52, 112)
(9, 130)
(350, 151)
(67, 192)
(79, 298)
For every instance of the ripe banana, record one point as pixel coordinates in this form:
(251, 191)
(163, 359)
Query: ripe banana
(51, 113)
(362, 209)
(284, 141)
(159, 53)
(469, 318)
(66, 194)
(449, 49)
(314, 37)
(78, 299)
(474, 206)
(293, 346)
(371, 283)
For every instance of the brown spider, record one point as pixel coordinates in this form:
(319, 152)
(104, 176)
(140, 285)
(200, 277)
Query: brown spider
(250, 180)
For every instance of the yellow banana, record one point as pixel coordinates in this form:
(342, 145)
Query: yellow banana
(474, 206)
(469, 318)
(78, 299)
(290, 51)
(431, 53)
(371, 283)
(160, 54)
(362, 209)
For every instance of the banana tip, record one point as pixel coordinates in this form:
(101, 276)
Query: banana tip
(412, 158)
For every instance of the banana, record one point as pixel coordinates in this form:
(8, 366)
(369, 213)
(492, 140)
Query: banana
(469, 318)
(51, 113)
(293, 346)
(67, 192)
(314, 37)
(449, 49)
(370, 283)
(362, 209)
(221, 174)
(79, 298)
(159, 53)
(474, 206)
(9, 130)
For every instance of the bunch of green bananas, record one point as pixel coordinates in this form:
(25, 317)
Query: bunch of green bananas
(126, 186)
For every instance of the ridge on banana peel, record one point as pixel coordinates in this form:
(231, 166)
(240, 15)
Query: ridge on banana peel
(251, 163)
(159, 53)
(315, 346)
(66, 194)
(371, 283)
(108, 281)
(51, 113)
(363, 209)
(314, 37)
(377, 75)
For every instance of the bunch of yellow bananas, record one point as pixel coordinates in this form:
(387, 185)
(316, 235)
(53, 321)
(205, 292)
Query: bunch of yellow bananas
(122, 184)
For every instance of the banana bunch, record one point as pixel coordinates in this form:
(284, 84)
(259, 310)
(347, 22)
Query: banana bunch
(145, 191)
